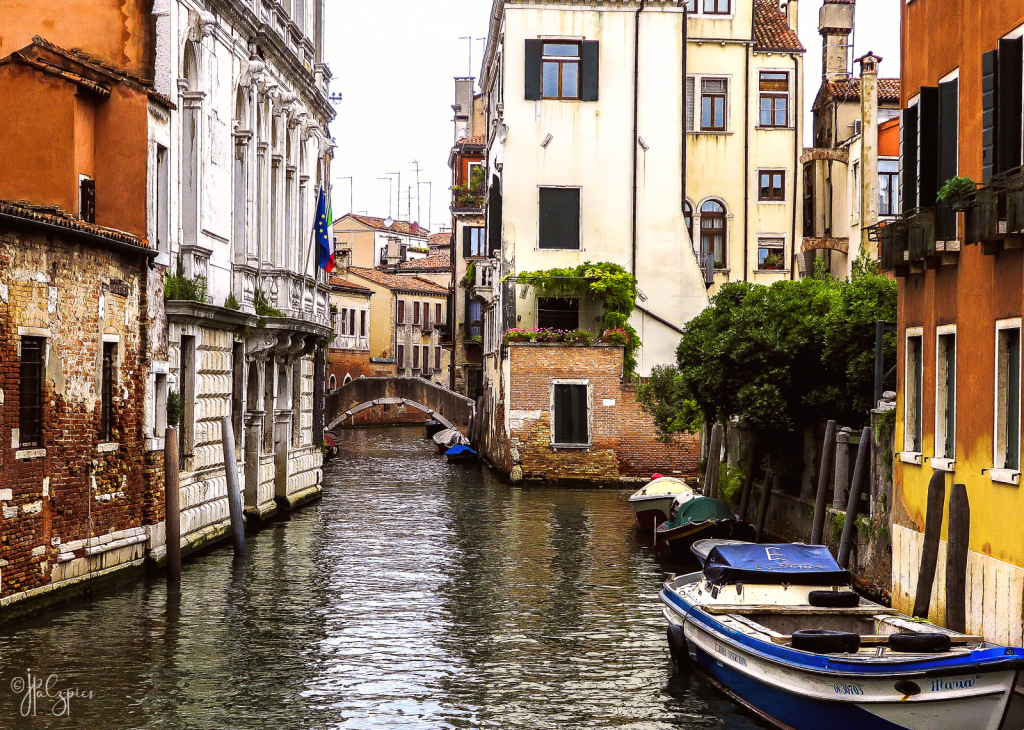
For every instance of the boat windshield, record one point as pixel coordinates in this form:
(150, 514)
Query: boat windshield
(774, 565)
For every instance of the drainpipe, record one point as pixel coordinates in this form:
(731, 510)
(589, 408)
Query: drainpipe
(746, 152)
(685, 43)
(636, 120)
(797, 169)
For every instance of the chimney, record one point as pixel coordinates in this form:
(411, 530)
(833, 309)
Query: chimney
(789, 9)
(463, 107)
(835, 24)
(394, 250)
(868, 147)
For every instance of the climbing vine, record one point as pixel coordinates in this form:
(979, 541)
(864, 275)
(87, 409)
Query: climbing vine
(613, 284)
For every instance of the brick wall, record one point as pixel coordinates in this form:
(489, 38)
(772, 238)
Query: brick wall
(73, 492)
(355, 363)
(623, 439)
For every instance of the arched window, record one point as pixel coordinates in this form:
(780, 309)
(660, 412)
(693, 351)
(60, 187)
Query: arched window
(712, 231)
(688, 217)
(333, 384)
(348, 379)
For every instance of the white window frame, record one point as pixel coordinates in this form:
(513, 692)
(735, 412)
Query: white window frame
(999, 472)
(590, 412)
(697, 85)
(908, 456)
(940, 461)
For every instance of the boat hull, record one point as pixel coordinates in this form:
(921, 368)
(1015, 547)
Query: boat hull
(681, 539)
(799, 698)
(651, 511)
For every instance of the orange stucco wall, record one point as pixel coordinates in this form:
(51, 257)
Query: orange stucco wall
(889, 138)
(119, 32)
(940, 36)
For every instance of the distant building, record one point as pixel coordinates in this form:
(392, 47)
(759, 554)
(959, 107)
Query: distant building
(851, 175)
(368, 242)
(348, 355)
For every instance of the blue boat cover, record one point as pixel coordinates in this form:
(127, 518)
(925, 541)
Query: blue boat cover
(459, 451)
(774, 565)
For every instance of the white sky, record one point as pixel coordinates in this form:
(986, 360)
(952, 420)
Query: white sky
(394, 64)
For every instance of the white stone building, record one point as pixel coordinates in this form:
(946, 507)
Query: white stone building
(238, 168)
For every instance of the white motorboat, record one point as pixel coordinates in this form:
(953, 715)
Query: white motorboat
(779, 628)
(652, 504)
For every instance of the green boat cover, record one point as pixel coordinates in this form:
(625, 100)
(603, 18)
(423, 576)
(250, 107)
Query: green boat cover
(698, 510)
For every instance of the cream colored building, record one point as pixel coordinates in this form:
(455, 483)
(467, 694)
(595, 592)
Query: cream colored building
(744, 88)
(368, 242)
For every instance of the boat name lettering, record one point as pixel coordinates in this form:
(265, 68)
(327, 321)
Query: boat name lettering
(941, 685)
(731, 655)
(848, 689)
(785, 566)
(774, 554)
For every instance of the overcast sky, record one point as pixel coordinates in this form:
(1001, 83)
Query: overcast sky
(394, 62)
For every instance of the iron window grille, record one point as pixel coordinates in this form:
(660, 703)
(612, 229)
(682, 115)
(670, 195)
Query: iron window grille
(107, 392)
(30, 404)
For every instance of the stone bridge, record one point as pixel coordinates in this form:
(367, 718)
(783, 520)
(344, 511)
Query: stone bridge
(438, 402)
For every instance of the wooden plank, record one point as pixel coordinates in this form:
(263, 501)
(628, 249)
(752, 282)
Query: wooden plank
(938, 608)
(956, 562)
(741, 609)
(882, 639)
(989, 599)
(930, 551)
(976, 599)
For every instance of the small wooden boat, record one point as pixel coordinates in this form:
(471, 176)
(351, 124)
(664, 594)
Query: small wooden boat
(701, 517)
(461, 455)
(433, 427)
(780, 629)
(652, 504)
(448, 438)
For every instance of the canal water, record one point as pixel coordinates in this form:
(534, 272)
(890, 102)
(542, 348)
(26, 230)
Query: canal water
(415, 595)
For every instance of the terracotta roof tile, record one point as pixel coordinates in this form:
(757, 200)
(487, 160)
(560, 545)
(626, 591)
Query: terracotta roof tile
(403, 227)
(436, 261)
(441, 239)
(479, 140)
(340, 281)
(771, 29)
(395, 282)
(54, 216)
(888, 90)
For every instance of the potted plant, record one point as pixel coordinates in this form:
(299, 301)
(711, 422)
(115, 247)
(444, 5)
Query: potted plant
(616, 336)
(517, 335)
(579, 337)
(719, 264)
(957, 192)
(772, 261)
(550, 335)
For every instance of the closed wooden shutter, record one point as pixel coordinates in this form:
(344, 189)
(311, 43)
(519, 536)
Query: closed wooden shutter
(559, 218)
(927, 146)
(494, 218)
(908, 161)
(689, 104)
(1008, 125)
(589, 70)
(87, 200)
(989, 103)
(534, 53)
(949, 152)
(467, 242)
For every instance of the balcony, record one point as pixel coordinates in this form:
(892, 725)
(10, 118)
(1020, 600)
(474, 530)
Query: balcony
(923, 238)
(473, 334)
(994, 217)
(444, 333)
(482, 283)
(296, 296)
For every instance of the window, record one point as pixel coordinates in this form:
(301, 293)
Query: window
(912, 439)
(426, 318)
(160, 406)
(571, 416)
(559, 218)
(855, 188)
(187, 389)
(416, 313)
(1000, 107)
(401, 311)
(1007, 446)
(771, 186)
(438, 313)
(712, 104)
(343, 322)
(351, 321)
(888, 187)
(561, 71)
(558, 314)
(400, 357)
(774, 87)
(688, 217)
(437, 358)
(474, 242)
(362, 323)
(945, 395)
(415, 357)
(716, 7)
(87, 199)
(107, 391)
(771, 254)
(474, 319)
(712, 231)
(163, 197)
(30, 404)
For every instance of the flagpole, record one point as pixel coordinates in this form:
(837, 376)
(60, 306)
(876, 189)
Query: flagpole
(309, 252)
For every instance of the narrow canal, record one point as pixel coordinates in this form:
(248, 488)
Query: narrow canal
(415, 595)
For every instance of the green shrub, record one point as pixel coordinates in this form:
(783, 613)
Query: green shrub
(182, 288)
(232, 303)
(175, 408)
(263, 307)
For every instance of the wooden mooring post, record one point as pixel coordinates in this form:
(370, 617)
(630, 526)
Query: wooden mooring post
(828, 453)
(860, 471)
(956, 559)
(714, 462)
(234, 487)
(172, 506)
(748, 480)
(930, 549)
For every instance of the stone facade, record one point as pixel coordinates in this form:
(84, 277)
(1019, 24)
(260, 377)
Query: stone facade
(77, 506)
(621, 443)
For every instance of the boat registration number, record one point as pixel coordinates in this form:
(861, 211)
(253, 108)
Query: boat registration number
(848, 689)
(731, 655)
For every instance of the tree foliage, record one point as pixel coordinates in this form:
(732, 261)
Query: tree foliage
(780, 357)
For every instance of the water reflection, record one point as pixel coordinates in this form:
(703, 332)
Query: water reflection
(415, 595)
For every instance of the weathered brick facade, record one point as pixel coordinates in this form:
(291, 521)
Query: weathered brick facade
(73, 506)
(622, 439)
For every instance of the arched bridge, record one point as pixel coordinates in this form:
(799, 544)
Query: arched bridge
(442, 404)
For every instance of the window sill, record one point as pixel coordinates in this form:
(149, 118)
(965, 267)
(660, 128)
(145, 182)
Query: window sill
(25, 454)
(773, 128)
(106, 448)
(943, 464)
(911, 457)
(1005, 476)
(772, 202)
(772, 271)
(709, 132)
(571, 447)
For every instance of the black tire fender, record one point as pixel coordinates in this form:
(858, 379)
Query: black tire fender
(834, 599)
(923, 643)
(821, 641)
(677, 646)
